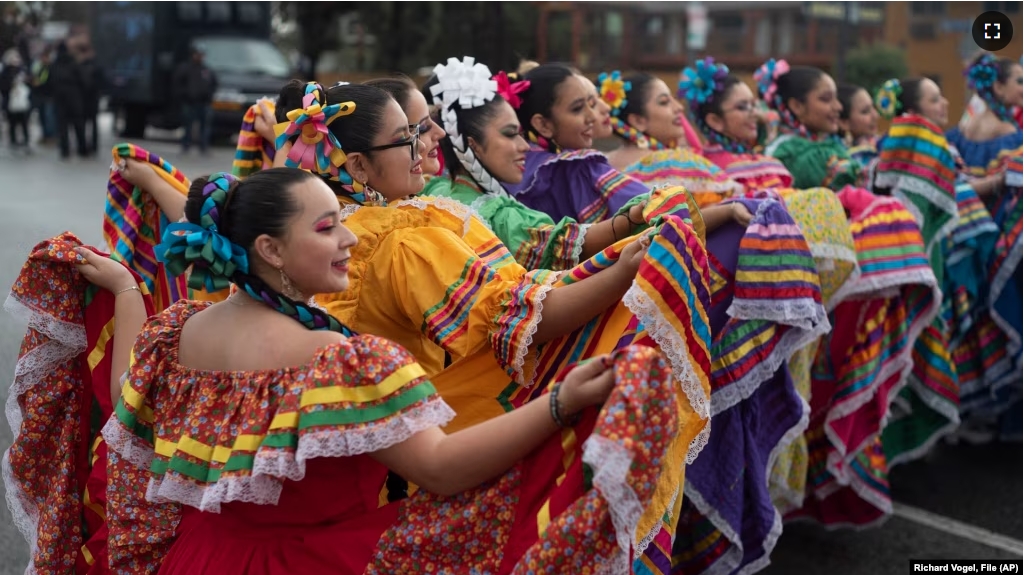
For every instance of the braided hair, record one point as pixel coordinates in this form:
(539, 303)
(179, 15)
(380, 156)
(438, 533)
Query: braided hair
(983, 74)
(467, 98)
(224, 218)
(540, 98)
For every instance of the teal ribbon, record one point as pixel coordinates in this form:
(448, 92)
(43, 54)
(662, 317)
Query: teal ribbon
(214, 259)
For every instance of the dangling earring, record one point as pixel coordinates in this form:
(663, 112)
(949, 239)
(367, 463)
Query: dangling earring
(287, 289)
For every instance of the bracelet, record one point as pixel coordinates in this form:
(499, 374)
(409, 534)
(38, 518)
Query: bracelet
(630, 220)
(556, 412)
(615, 235)
(136, 288)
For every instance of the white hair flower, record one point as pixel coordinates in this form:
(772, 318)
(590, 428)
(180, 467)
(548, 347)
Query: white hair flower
(468, 84)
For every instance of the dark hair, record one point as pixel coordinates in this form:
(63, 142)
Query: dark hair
(639, 91)
(399, 86)
(471, 125)
(846, 92)
(910, 94)
(798, 83)
(540, 97)
(251, 208)
(354, 131)
(714, 104)
(1003, 66)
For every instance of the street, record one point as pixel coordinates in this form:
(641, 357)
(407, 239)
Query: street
(961, 502)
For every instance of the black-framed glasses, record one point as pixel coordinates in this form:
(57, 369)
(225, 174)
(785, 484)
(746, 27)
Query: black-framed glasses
(413, 142)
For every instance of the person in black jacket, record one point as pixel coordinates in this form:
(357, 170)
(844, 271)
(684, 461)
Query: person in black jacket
(91, 80)
(67, 99)
(196, 85)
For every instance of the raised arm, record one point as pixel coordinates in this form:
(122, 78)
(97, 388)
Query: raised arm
(449, 464)
(129, 309)
(170, 200)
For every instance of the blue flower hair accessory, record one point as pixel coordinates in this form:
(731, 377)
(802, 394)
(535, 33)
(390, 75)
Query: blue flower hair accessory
(887, 100)
(982, 76)
(214, 259)
(702, 81)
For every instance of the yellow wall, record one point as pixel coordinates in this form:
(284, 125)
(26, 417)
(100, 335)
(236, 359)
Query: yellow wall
(941, 55)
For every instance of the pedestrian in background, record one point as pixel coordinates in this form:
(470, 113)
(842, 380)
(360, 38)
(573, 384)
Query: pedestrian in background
(91, 80)
(12, 84)
(196, 84)
(42, 97)
(67, 100)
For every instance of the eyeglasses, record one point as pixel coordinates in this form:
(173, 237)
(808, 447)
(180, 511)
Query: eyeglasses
(413, 142)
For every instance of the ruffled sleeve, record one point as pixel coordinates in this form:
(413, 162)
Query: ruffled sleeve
(202, 439)
(708, 183)
(814, 164)
(532, 236)
(579, 184)
(430, 280)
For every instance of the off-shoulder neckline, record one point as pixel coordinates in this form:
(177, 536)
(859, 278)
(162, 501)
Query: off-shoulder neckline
(193, 307)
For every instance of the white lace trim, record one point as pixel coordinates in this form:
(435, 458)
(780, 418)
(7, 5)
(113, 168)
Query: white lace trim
(902, 186)
(888, 285)
(263, 486)
(770, 149)
(477, 205)
(793, 340)
(802, 313)
(645, 542)
(772, 538)
(784, 497)
(530, 329)
(457, 209)
(925, 447)
(999, 282)
(674, 348)
(577, 246)
(347, 210)
(734, 555)
(830, 251)
(67, 340)
(610, 463)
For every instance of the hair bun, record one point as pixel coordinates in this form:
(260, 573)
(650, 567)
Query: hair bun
(200, 242)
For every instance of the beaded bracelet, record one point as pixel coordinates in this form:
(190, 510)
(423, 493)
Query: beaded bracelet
(555, 412)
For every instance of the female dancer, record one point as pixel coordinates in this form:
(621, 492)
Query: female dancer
(858, 126)
(879, 314)
(998, 81)
(470, 298)
(918, 166)
(493, 153)
(84, 311)
(237, 416)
